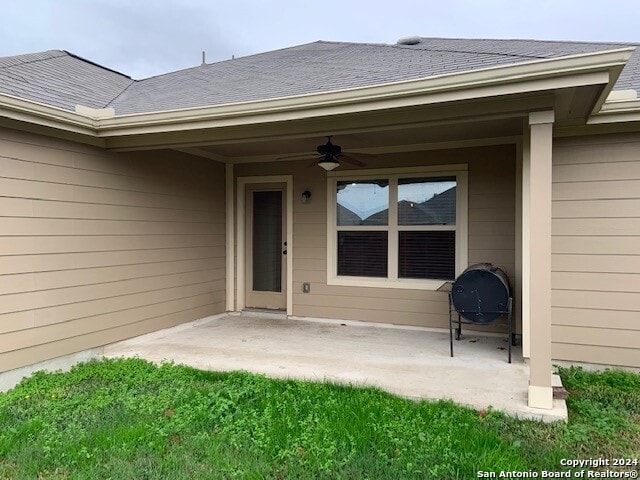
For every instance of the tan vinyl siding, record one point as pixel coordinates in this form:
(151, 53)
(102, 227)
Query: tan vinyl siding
(596, 250)
(491, 236)
(98, 246)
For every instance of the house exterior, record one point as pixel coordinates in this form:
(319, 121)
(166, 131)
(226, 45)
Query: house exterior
(128, 206)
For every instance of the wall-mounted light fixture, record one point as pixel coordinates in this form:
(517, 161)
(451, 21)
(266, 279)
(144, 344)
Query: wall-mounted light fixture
(306, 196)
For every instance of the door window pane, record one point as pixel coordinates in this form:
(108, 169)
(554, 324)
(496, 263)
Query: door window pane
(363, 254)
(363, 202)
(427, 254)
(427, 201)
(267, 241)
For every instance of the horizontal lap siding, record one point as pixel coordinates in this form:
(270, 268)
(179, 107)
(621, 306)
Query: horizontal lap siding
(96, 247)
(492, 211)
(491, 237)
(596, 250)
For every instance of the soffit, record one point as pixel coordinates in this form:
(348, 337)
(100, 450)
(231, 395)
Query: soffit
(370, 141)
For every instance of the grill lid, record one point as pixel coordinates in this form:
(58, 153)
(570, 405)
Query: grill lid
(481, 293)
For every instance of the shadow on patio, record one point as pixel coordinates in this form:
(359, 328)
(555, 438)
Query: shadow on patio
(410, 362)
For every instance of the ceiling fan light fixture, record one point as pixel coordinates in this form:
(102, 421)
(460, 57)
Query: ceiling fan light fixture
(329, 162)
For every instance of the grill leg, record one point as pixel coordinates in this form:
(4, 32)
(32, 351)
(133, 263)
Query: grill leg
(510, 339)
(450, 328)
(459, 329)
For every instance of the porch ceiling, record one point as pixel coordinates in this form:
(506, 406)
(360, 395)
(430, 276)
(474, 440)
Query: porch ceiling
(381, 140)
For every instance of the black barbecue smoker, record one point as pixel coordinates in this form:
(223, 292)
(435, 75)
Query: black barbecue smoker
(481, 295)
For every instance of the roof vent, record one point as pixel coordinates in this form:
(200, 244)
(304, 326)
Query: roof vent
(408, 41)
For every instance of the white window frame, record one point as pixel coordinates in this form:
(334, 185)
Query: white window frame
(459, 171)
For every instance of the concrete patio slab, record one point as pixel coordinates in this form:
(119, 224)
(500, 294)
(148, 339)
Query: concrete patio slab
(407, 361)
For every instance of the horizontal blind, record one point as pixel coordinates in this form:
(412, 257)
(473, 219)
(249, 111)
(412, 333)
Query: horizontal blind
(363, 253)
(427, 254)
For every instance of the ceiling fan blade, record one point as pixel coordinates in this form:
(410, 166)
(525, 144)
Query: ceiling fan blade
(351, 160)
(296, 156)
(361, 155)
(314, 163)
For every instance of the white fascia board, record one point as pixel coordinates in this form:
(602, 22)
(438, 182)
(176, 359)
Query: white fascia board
(16, 108)
(450, 87)
(617, 111)
(220, 118)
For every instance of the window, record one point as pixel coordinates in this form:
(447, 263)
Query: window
(427, 227)
(402, 228)
(361, 205)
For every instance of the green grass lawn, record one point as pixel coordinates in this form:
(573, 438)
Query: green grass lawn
(126, 419)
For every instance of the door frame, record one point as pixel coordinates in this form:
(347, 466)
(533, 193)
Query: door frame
(241, 235)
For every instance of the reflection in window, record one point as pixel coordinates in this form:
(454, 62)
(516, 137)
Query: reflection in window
(362, 202)
(427, 201)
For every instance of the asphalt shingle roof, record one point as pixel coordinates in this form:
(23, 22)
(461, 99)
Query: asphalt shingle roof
(60, 79)
(64, 80)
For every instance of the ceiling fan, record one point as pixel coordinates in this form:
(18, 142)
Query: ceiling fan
(330, 156)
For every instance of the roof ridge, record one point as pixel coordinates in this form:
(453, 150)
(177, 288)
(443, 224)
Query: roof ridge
(534, 40)
(395, 45)
(352, 43)
(95, 64)
(584, 42)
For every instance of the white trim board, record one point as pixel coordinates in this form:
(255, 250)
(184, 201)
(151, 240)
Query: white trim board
(230, 238)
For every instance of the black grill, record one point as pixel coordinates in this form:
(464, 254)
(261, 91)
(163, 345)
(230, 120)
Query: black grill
(480, 295)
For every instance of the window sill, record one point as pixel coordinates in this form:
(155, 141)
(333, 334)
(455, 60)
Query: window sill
(401, 283)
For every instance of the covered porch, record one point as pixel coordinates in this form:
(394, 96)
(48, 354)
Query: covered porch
(407, 361)
(124, 221)
(491, 136)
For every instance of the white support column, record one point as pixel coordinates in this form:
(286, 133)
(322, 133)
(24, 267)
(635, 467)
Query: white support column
(517, 281)
(538, 229)
(230, 237)
(525, 240)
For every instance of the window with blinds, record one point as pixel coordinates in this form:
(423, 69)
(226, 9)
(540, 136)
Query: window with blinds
(426, 227)
(362, 214)
(414, 239)
(363, 254)
(427, 255)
